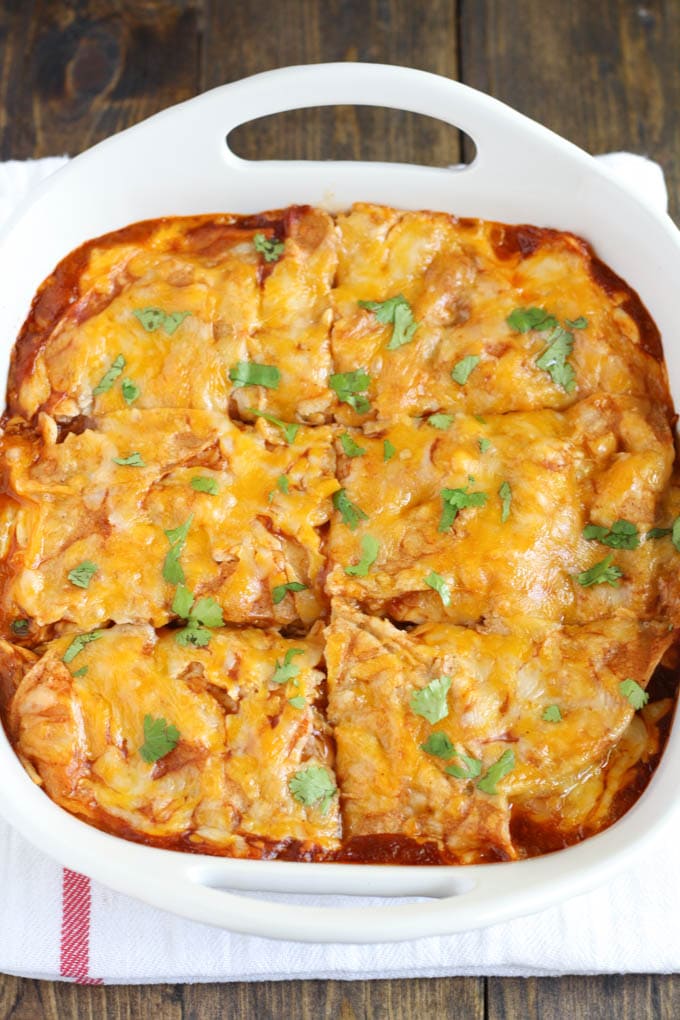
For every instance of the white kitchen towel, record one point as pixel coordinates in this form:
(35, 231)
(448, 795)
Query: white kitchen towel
(58, 924)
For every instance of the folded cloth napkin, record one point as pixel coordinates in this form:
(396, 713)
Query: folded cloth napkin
(59, 924)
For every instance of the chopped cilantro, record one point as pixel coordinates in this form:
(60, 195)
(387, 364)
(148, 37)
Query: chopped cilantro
(20, 627)
(81, 672)
(350, 512)
(395, 310)
(155, 318)
(269, 247)
(350, 387)
(201, 616)
(130, 391)
(172, 568)
(436, 581)
(470, 768)
(83, 574)
(493, 775)
(283, 484)
(552, 714)
(675, 533)
(350, 448)
(250, 373)
(505, 492)
(389, 450)
(430, 701)
(287, 670)
(553, 360)
(202, 483)
(658, 533)
(160, 738)
(279, 592)
(133, 460)
(369, 553)
(297, 702)
(484, 444)
(602, 572)
(455, 500)
(524, 319)
(579, 323)
(439, 746)
(462, 370)
(621, 535)
(79, 643)
(440, 421)
(313, 786)
(289, 430)
(635, 694)
(107, 380)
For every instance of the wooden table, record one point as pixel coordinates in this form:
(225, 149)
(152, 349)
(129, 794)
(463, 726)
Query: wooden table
(604, 73)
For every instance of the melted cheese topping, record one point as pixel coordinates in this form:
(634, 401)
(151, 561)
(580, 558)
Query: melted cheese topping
(164, 345)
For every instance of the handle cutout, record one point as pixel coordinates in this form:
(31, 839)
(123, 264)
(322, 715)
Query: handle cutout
(366, 133)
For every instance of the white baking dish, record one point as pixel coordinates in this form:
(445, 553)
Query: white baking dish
(178, 162)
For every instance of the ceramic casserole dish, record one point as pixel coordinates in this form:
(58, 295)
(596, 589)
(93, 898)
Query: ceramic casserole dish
(179, 163)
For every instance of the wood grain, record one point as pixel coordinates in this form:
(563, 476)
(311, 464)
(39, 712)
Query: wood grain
(606, 75)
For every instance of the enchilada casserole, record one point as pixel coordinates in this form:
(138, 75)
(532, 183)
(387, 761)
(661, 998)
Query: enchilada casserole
(348, 537)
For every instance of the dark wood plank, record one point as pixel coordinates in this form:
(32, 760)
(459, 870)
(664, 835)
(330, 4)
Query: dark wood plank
(463, 998)
(300, 32)
(606, 75)
(75, 72)
(626, 997)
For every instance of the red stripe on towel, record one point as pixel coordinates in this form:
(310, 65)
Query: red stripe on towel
(75, 928)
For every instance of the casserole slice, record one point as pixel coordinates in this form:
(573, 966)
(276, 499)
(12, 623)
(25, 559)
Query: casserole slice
(439, 730)
(483, 520)
(147, 499)
(192, 748)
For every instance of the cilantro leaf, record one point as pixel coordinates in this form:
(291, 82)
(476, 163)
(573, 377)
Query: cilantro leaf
(279, 592)
(369, 553)
(79, 643)
(80, 672)
(172, 568)
(635, 694)
(621, 535)
(439, 746)
(675, 533)
(553, 360)
(202, 483)
(297, 702)
(207, 612)
(430, 701)
(657, 533)
(313, 786)
(200, 615)
(160, 738)
(183, 601)
(107, 380)
(287, 670)
(283, 484)
(579, 323)
(269, 247)
(289, 430)
(470, 768)
(20, 627)
(350, 387)
(350, 512)
(552, 714)
(436, 581)
(250, 373)
(462, 370)
(440, 421)
(83, 574)
(133, 460)
(524, 319)
(484, 444)
(505, 492)
(130, 391)
(602, 572)
(455, 500)
(493, 775)
(350, 448)
(389, 450)
(395, 310)
(155, 318)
